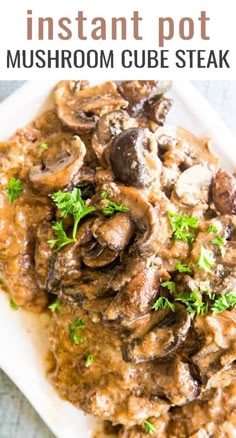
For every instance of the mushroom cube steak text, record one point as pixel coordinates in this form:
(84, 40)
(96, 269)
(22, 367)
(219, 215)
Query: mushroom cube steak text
(125, 228)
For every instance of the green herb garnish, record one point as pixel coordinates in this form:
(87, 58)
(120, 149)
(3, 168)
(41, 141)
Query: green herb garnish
(183, 226)
(61, 238)
(76, 337)
(220, 242)
(205, 260)
(193, 304)
(13, 304)
(212, 229)
(224, 302)
(171, 286)
(182, 267)
(56, 306)
(111, 206)
(44, 146)
(72, 203)
(163, 303)
(89, 360)
(149, 427)
(14, 189)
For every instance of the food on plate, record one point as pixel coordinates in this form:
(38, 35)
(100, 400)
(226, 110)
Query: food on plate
(124, 228)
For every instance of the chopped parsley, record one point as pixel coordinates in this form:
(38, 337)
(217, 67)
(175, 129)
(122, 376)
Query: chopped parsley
(171, 286)
(212, 229)
(111, 206)
(89, 360)
(149, 427)
(61, 238)
(193, 303)
(182, 267)
(223, 302)
(14, 189)
(163, 303)
(72, 203)
(75, 336)
(205, 260)
(220, 242)
(183, 226)
(13, 304)
(44, 146)
(56, 306)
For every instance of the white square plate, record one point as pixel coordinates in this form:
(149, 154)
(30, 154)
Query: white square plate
(23, 343)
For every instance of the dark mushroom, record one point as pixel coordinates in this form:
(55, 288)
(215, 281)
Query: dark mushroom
(162, 340)
(65, 267)
(97, 256)
(78, 108)
(137, 92)
(174, 378)
(217, 352)
(133, 157)
(193, 185)
(185, 149)
(224, 192)
(114, 232)
(157, 108)
(109, 126)
(144, 216)
(57, 175)
(136, 298)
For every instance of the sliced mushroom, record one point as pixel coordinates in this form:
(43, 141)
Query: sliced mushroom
(176, 382)
(58, 175)
(114, 232)
(193, 185)
(143, 214)
(157, 108)
(224, 192)
(162, 340)
(218, 349)
(109, 126)
(137, 92)
(137, 296)
(185, 149)
(78, 108)
(97, 256)
(133, 157)
(92, 285)
(65, 268)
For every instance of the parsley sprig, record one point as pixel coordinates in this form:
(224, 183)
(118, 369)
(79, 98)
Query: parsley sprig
(205, 260)
(14, 189)
(183, 226)
(224, 302)
(69, 203)
(193, 303)
(149, 427)
(89, 360)
(170, 285)
(61, 238)
(111, 206)
(72, 203)
(163, 303)
(182, 267)
(212, 229)
(56, 306)
(76, 336)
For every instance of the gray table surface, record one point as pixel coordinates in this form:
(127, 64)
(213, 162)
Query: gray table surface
(17, 418)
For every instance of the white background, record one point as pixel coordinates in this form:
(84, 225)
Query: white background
(221, 29)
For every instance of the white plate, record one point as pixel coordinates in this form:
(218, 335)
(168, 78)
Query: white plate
(23, 344)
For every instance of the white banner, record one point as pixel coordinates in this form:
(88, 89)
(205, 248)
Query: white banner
(117, 40)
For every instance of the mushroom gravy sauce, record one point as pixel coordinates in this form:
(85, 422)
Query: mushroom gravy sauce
(125, 228)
